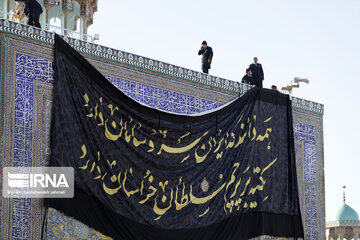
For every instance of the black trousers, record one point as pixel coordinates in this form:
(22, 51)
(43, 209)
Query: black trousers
(34, 22)
(205, 67)
(258, 82)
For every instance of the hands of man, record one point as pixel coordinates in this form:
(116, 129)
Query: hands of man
(209, 60)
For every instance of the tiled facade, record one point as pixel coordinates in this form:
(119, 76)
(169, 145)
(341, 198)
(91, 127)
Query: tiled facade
(26, 86)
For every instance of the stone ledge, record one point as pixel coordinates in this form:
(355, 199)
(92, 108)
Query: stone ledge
(343, 223)
(145, 63)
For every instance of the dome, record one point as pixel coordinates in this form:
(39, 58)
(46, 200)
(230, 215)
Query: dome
(346, 213)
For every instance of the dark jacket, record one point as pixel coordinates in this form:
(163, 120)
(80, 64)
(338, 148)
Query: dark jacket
(32, 9)
(207, 54)
(247, 79)
(257, 73)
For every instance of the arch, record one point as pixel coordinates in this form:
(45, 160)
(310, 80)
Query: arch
(349, 233)
(55, 25)
(55, 21)
(332, 234)
(77, 25)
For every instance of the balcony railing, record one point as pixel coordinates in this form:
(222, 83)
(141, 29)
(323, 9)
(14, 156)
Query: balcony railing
(67, 32)
(51, 28)
(6, 15)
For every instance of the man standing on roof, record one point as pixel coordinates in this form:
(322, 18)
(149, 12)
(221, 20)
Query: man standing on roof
(207, 55)
(33, 11)
(257, 73)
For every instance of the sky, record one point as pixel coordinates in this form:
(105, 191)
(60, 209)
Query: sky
(307, 38)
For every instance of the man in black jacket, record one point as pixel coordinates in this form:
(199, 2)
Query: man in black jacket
(33, 11)
(257, 73)
(207, 55)
(248, 77)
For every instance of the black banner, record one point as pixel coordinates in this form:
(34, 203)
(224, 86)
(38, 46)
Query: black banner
(141, 173)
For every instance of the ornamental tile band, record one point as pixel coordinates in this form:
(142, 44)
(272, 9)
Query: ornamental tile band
(145, 63)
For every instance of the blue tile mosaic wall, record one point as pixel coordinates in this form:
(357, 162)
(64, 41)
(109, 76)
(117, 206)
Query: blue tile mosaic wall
(163, 99)
(305, 134)
(23, 119)
(29, 95)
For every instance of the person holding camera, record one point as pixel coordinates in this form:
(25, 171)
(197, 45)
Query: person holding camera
(207, 55)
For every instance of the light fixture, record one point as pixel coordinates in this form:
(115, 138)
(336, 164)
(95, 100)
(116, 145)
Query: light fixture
(298, 80)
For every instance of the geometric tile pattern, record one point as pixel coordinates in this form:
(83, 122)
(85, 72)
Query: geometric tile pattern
(61, 226)
(26, 99)
(308, 134)
(305, 135)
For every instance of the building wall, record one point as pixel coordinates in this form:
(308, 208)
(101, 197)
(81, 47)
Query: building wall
(26, 102)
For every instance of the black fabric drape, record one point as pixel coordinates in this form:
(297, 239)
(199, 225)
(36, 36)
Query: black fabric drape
(141, 173)
(243, 226)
